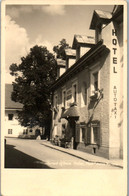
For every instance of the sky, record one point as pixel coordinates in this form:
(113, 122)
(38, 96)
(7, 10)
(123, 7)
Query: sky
(44, 25)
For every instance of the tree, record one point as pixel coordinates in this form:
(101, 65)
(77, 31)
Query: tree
(60, 49)
(33, 77)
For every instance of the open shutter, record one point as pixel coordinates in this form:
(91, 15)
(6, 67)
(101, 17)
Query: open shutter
(88, 135)
(77, 137)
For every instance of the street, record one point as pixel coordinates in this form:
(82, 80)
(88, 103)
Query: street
(24, 153)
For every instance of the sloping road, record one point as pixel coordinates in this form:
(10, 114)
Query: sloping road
(24, 153)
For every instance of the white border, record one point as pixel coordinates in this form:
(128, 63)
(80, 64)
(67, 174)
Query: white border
(24, 182)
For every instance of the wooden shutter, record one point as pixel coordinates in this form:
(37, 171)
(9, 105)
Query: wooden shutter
(77, 136)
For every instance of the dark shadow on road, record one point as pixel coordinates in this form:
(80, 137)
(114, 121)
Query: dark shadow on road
(17, 159)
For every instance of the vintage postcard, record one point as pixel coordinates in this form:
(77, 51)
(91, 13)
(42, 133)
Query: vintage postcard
(64, 98)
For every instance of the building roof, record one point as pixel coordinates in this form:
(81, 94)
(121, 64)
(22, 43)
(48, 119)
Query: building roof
(83, 40)
(61, 62)
(9, 104)
(70, 52)
(84, 62)
(103, 14)
(100, 17)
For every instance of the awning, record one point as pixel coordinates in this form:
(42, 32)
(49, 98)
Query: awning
(71, 112)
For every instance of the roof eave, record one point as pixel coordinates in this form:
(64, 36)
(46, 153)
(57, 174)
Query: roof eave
(85, 57)
(96, 20)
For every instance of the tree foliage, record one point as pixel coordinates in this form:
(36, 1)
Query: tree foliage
(33, 77)
(60, 49)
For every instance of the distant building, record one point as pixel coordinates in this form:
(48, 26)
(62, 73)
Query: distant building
(34, 132)
(88, 95)
(12, 126)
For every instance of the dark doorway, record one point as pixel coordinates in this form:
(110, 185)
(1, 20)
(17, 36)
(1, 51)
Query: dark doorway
(37, 132)
(72, 122)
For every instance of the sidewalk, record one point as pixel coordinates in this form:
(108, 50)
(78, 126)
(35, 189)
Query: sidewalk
(83, 155)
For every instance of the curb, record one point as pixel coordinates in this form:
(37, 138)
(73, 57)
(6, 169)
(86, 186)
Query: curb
(99, 162)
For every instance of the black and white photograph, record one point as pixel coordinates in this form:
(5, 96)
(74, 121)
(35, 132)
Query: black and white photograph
(64, 90)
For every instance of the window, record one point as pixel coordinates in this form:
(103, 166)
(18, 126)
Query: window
(74, 91)
(94, 135)
(55, 100)
(10, 116)
(84, 94)
(24, 131)
(82, 134)
(64, 98)
(95, 81)
(10, 131)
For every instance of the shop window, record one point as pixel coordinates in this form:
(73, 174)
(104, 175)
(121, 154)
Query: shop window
(84, 94)
(94, 135)
(10, 131)
(10, 116)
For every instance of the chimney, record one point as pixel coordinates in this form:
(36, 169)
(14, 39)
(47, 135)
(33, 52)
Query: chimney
(70, 57)
(82, 44)
(61, 67)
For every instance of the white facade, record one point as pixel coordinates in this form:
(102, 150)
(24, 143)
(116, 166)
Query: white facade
(12, 126)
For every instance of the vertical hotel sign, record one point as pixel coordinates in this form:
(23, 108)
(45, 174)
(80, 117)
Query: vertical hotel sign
(115, 71)
(114, 87)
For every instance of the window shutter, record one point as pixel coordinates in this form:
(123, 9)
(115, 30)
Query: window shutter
(77, 138)
(88, 135)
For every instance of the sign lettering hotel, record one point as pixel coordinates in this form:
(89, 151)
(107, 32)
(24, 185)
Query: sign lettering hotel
(114, 42)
